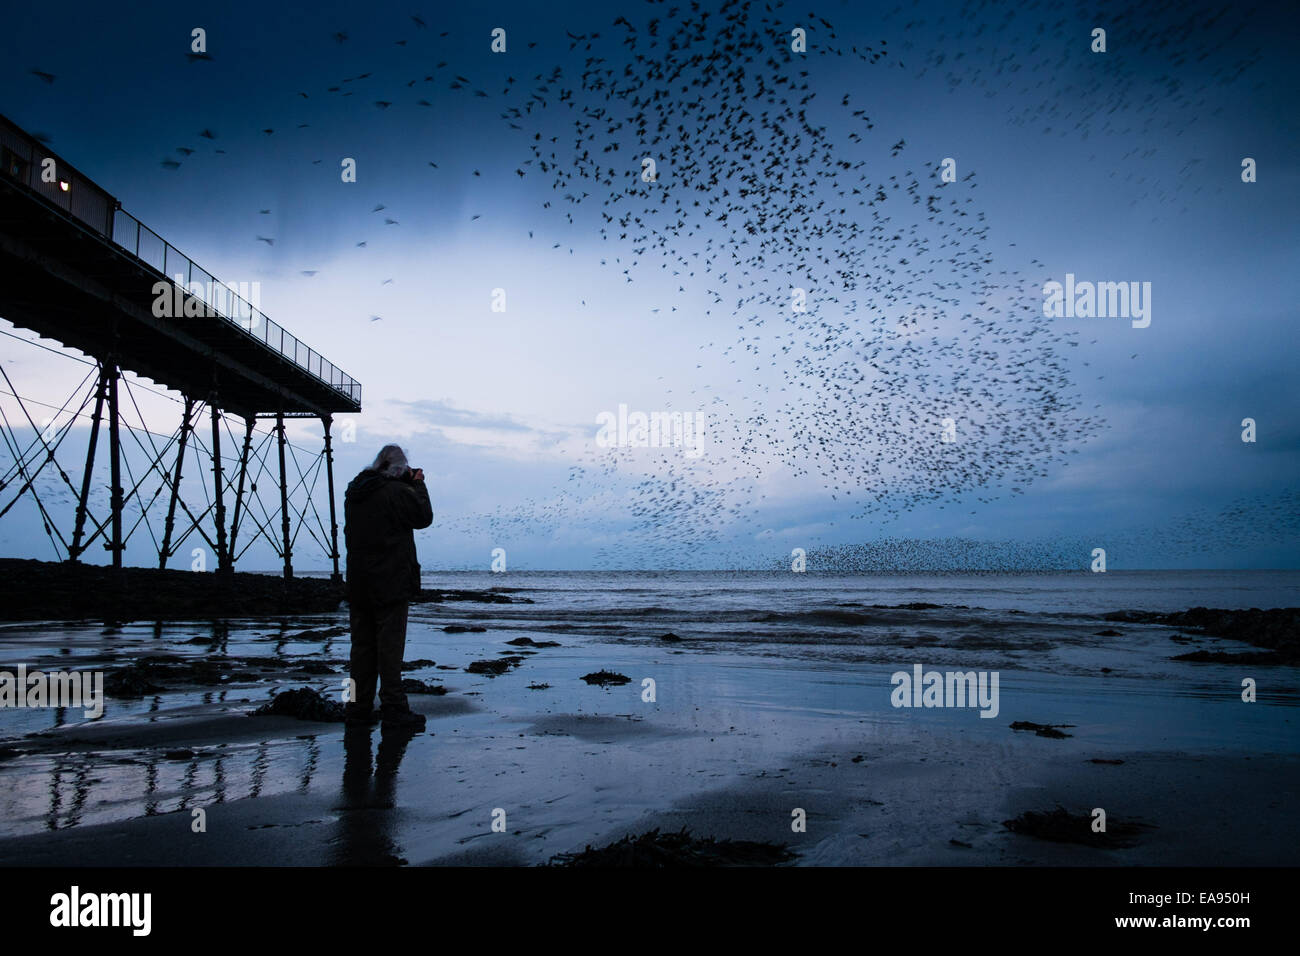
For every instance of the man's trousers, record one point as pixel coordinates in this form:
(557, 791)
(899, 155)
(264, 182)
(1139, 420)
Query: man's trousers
(378, 647)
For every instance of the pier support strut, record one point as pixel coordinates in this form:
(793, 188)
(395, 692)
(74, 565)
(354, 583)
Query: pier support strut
(101, 392)
(243, 476)
(115, 465)
(218, 481)
(284, 500)
(334, 523)
(165, 550)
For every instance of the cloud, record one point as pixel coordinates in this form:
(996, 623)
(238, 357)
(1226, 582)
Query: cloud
(438, 415)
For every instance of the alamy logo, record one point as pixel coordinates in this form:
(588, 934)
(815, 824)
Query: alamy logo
(654, 430)
(1101, 300)
(239, 302)
(83, 689)
(75, 908)
(923, 688)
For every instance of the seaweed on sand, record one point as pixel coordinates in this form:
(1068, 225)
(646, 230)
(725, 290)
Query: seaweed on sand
(663, 850)
(154, 673)
(1062, 826)
(317, 634)
(1042, 730)
(492, 596)
(1231, 657)
(303, 703)
(606, 678)
(493, 668)
(130, 681)
(1276, 629)
(412, 686)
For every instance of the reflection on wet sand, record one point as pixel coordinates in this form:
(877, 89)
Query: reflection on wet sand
(66, 771)
(59, 791)
(368, 814)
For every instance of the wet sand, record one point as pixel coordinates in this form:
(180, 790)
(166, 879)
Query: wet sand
(733, 744)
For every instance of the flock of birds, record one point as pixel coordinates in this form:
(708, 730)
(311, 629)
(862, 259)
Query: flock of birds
(1255, 522)
(912, 332)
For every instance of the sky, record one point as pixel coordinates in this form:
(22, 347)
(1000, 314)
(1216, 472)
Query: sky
(1123, 165)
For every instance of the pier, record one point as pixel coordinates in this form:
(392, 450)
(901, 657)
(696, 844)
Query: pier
(78, 269)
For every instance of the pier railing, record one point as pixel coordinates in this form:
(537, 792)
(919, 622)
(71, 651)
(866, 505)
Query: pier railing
(223, 301)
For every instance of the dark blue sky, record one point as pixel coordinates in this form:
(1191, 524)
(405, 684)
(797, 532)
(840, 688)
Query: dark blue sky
(1122, 166)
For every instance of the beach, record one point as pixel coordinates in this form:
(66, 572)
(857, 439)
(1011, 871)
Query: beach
(758, 707)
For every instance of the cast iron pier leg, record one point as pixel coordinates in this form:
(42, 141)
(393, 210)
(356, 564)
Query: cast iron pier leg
(219, 501)
(284, 501)
(239, 492)
(165, 551)
(115, 466)
(100, 389)
(334, 523)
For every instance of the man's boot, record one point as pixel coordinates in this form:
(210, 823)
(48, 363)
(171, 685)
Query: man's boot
(402, 719)
(354, 715)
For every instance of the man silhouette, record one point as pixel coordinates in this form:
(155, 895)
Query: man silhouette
(382, 508)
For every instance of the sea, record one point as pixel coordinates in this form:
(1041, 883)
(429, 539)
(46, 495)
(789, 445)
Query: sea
(761, 610)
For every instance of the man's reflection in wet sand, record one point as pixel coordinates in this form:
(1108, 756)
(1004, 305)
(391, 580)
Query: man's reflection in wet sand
(368, 812)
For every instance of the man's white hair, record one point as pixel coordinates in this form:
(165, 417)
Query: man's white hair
(391, 461)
